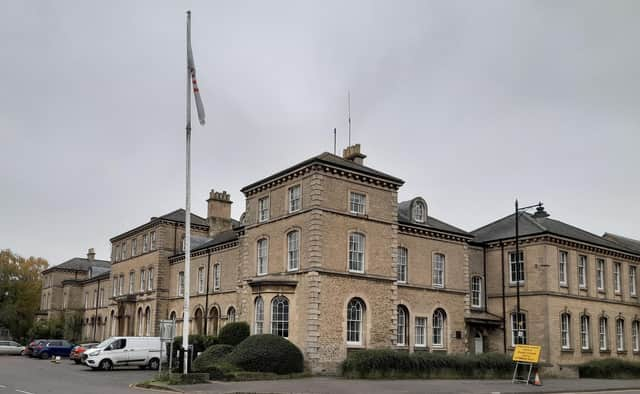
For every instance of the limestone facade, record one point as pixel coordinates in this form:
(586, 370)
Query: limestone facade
(327, 256)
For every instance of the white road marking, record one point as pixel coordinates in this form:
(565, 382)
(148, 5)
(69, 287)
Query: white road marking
(24, 392)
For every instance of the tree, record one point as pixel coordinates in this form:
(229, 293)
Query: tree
(20, 288)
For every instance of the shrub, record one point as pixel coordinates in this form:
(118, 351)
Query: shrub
(233, 333)
(386, 363)
(200, 342)
(267, 353)
(610, 368)
(208, 360)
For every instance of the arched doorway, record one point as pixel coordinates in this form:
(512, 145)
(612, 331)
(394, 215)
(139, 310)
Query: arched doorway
(198, 322)
(214, 318)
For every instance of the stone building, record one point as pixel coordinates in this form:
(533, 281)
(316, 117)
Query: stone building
(327, 256)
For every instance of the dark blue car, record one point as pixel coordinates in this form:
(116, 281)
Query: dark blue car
(54, 347)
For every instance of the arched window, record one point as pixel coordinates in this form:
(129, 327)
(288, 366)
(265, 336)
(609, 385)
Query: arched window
(620, 334)
(259, 315)
(198, 320)
(438, 270)
(355, 322)
(585, 339)
(140, 323)
(476, 291)
(518, 328)
(635, 332)
(565, 330)
(439, 321)
(402, 326)
(419, 212)
(403, 257)
(263, 256)
(231, 314)
(293, 250)
(280, 317)
(172, 316)
(214, 316)
(603, 334)
(147, 323)
(356, 252)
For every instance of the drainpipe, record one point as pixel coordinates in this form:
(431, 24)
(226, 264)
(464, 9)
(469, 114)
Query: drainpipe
(206, 299)
(95, 318)
(504, 306)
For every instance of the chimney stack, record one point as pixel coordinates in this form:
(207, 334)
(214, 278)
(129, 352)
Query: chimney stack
(91, 254)
(353, 153)
(219, 212)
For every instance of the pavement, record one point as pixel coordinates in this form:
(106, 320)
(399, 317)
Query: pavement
(24, 375)
(344, 386)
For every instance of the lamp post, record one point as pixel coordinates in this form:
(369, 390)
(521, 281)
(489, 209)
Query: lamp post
(520, 267)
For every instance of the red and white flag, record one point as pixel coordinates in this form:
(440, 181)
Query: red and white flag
(192, 72)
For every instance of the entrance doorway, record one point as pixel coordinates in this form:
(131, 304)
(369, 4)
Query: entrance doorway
(478, 342)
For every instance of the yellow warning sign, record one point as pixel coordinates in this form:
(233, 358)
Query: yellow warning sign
(527, 353)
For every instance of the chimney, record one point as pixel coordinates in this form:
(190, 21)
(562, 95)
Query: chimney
(218, 212)
(353, 153)
(91, 254)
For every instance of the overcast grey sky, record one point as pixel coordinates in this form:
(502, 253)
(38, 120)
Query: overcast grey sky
(472, 103)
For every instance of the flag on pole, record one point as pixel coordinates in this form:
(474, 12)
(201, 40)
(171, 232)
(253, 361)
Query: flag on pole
(194, 82)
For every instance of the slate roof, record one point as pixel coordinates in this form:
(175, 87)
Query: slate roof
(333, 160)
(532, 224)
(628, 243)
(80, 264)
(178, 216)
(219, 239)
(404, 217)
(174, 216)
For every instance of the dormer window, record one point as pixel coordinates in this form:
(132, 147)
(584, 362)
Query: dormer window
(419, 212)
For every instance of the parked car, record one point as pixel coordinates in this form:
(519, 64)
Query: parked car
(122, 351)
(54, 347)
(76, 352)
(29, 350)
(10, 347)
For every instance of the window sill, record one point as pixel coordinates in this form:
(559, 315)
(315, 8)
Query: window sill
(602, 291)
(439, 349)
(514, 284)
(621, 351)
(419, 348)
(355, 272)
(355, 346)
(583, 288)
(566, 350)
(564, 285)
(605, 351)
(586, 351)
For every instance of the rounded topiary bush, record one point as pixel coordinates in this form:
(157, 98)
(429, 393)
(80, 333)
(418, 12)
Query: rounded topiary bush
(267, 353)
(212, 361)
(233, 333)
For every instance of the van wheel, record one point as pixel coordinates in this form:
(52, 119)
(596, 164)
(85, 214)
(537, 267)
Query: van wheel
(154, 364)
(44, 355)
(106, 365)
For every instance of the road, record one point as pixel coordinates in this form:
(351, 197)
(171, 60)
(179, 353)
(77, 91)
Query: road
(25, 375)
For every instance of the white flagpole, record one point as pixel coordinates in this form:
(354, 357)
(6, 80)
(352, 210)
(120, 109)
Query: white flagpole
(187, 217)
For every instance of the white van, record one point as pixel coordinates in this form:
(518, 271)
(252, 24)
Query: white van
(122, 351)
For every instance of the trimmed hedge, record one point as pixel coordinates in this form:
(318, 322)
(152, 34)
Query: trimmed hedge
(386, 363)
(610, 368)
(209, 360)
(234, 333)
(267, 353)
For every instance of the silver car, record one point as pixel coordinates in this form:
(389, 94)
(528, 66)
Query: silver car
(10, 347)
